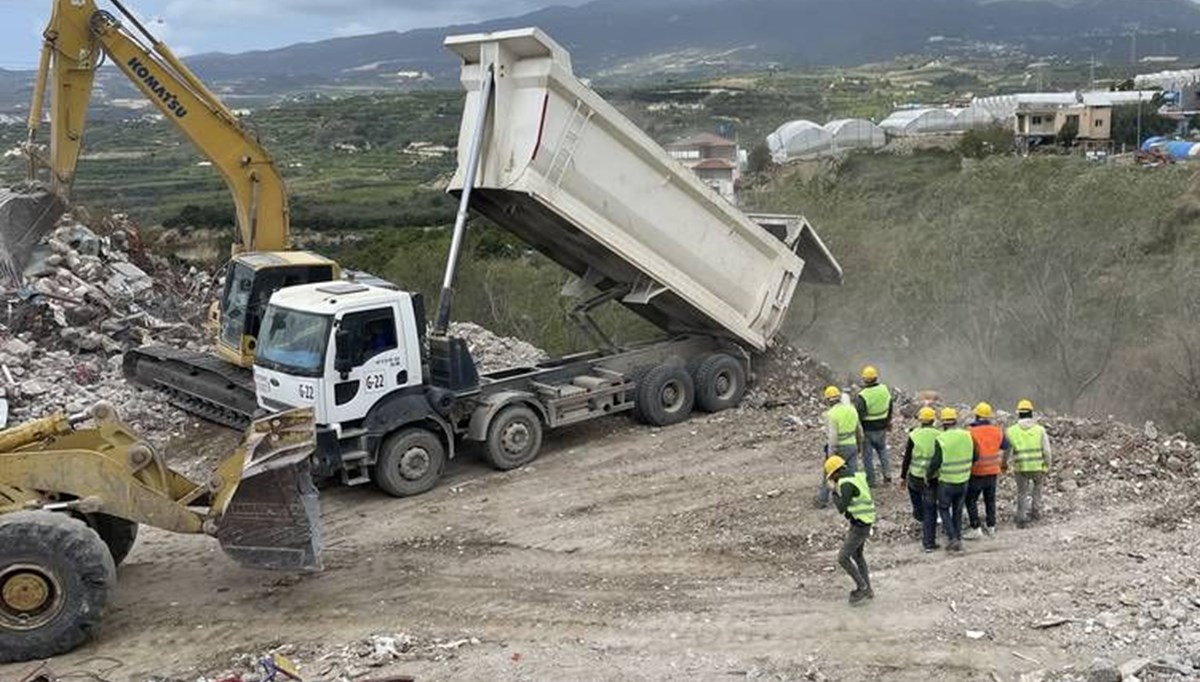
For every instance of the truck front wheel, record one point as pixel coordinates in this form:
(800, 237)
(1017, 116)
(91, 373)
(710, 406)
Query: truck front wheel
(720, 383)
(56, 575)
(410, 462)
(514, 438)
(666, 395)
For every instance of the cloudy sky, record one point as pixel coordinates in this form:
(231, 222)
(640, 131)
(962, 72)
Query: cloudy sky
(192, 26)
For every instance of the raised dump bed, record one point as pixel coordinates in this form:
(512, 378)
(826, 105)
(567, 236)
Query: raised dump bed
(566, 172)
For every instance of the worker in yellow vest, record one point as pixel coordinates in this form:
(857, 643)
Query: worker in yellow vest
(953, 457)
(843, 436)
(854, 501)
(874, 405)
(922, 494)
(1028, 453)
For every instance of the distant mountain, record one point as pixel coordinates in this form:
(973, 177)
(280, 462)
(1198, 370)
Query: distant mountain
(605, 35)
(639, 37)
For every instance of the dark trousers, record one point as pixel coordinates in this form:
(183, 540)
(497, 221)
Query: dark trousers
(986, 486)
(924, 499)
(951, 498)
(851, 557)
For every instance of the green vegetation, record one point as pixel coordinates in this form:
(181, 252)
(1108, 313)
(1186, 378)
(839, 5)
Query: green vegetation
(1071, 283)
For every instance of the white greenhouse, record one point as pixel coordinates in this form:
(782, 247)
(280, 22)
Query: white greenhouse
(799, 139)
(920, 122)
(855, 133)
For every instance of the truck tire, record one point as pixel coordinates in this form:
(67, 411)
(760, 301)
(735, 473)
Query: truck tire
(56, 575)
(720, 383)
(666, 395)
(410, 462)
(117, 533)
(514, 438)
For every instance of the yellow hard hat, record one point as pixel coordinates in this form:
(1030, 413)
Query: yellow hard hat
(983, 411)
(1025, 405)
(869, 373)
(832, 393)
(926, 415)
(832, 464)
(949, 415)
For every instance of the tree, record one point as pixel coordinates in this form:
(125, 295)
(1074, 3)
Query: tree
(1067, 134)
(759, 160)
(979, 144)
(1125, 123)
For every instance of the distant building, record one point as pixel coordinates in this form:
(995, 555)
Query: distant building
(1035, 124)
(713, 158)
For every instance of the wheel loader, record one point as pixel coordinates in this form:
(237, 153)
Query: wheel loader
(75, 488)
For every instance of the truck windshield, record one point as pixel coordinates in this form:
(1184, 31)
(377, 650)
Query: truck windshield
(293, 341)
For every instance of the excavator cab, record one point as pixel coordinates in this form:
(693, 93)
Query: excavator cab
(249, 283)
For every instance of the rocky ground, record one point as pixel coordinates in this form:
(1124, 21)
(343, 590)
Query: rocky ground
(625, 552)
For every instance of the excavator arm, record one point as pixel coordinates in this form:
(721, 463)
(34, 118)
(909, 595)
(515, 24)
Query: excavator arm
(77, 40)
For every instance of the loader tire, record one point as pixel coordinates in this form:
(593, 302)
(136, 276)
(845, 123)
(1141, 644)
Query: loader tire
(56, 575)
(720, 383)
(117, 533)
(514, 438)
(410, 462)
(666, 395)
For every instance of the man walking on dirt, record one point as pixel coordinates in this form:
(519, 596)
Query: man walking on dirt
(853, 495)
(874, 405)
(843, 436)
(1029, 452)
(989, 441)
(953, 455)
(923, 495)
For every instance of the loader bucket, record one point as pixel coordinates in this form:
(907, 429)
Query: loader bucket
(27, 213)
(265, 504)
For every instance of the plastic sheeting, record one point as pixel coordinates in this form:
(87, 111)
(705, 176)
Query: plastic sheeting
(920, 122)
(799, 139)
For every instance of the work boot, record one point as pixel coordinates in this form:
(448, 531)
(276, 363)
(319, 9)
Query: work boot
(973, 534)
(990, 531)
(1022, 523)
(869, 593)
(931, 550)
(955, 546)
(857, 597)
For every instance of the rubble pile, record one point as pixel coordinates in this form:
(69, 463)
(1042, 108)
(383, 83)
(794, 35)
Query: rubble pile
(355, 661)
(492, 352)
(88, 295)
(788, 376)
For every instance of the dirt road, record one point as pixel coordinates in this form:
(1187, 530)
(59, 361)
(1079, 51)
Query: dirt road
(692, 552)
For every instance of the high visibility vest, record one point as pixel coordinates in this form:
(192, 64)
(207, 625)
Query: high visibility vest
(923, 439)
(1026, 445)
(988, 438)
(845, 418)
(957, 452)
(878, 399)
(862, 507)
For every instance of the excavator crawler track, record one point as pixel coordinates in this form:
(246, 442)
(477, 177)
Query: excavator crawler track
(195, 382)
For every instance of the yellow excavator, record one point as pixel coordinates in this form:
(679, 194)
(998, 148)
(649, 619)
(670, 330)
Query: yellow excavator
(74, 488)
(79, 38)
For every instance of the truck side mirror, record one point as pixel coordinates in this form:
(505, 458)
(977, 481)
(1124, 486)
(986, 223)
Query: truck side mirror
(343, 352)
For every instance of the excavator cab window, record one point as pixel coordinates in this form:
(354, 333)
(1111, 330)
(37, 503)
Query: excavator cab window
(248, 291)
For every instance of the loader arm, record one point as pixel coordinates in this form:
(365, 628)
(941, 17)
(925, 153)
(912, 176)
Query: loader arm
(77, 39)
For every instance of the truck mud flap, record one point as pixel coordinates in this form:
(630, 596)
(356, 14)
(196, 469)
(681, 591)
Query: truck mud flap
(27, 214)
(271, 518)
(197, 383)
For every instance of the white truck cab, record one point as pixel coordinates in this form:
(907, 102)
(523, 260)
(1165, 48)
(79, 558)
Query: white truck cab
(337, 347)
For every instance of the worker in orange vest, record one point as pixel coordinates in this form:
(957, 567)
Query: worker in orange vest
(990, 442)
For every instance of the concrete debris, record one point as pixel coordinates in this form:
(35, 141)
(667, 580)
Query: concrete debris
(493, 352)
(788, 376)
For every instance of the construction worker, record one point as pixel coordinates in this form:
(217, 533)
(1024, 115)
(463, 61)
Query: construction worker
(874, 405)
(854, 500)
(1028, 452)
(953, 455)
(923, 494)
(843, 436)
(989, 442)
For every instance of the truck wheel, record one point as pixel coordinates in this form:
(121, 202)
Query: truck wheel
(117, 533)
(56, 575)
(514, 438)
(410, 462)
(666, 395)
(720, 383)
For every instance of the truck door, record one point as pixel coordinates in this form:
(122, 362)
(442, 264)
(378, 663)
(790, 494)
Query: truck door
(369, 362)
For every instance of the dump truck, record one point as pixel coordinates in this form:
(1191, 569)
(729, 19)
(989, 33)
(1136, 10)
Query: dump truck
(75, 488)
(545, 157)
